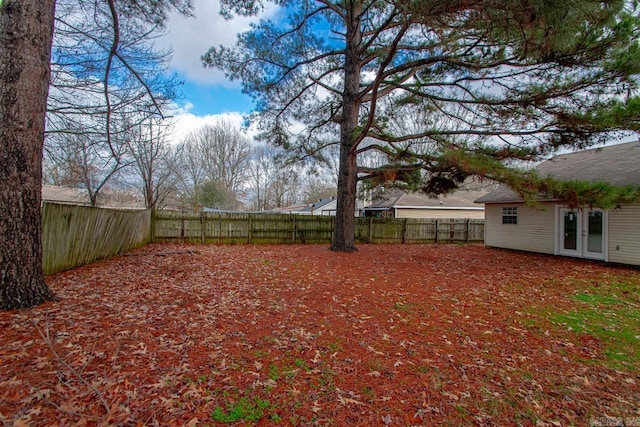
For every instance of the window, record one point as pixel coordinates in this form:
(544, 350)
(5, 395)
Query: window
(510, 215)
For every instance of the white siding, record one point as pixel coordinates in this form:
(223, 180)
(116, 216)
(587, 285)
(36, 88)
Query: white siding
(439, 213)
(534, 231)
(624, 235)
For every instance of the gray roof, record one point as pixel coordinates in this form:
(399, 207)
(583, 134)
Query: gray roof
(318, 205)
(614, 164)
(397, 199)
(58, 194)
(503, 194)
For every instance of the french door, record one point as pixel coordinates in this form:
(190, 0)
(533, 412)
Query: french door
(582, 233)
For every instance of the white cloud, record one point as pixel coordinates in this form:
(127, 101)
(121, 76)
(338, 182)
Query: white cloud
(185, 122)
(187, 107)
(190, 38)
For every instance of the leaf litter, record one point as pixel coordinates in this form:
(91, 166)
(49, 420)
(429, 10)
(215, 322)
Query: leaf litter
(176, 334)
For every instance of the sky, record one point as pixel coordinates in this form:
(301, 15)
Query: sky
(207, 94)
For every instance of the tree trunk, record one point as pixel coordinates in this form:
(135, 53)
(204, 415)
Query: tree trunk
(26, 28)
(344, 236)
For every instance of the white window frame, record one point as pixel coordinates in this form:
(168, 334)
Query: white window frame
(509, 215)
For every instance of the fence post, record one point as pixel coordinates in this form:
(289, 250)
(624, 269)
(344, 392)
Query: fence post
(371, 229)
(404, 230)
(468, 230)
(435, 240)
(152, 232)
(293, 228)
(202, 224)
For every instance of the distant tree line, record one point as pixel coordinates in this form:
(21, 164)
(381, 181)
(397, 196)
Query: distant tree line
(215, 166)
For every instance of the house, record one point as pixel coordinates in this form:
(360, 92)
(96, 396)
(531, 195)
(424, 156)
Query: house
(64, 195)
(287, 210)
(76, 196)
(321, 207)
(398, 204)
(326, 207)
(585, 232)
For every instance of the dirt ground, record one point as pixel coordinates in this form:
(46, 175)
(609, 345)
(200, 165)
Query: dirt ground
(298, 335)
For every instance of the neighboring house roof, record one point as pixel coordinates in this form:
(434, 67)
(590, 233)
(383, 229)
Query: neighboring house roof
(326, 206)
(614, 164)
(58, 194)
(120, 200)
(230, 211)
(462, 199)
(77, 196)
(318, 206)
(288, 209)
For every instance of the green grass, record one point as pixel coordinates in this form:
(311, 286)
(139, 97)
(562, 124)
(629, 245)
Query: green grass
(274, 372)
(243, 409)
(610, 313)
(400, 306)
(334, 346)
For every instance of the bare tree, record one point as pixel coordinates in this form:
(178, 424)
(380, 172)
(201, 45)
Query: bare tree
(317, 187)
(189, 169)
(107, 81)
(152, 161)
(216, 152)
(285, 189)
(225, 150)
(273, 183)
(91, 162)
(262, 170)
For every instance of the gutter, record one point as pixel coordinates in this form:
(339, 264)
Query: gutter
(445, 208)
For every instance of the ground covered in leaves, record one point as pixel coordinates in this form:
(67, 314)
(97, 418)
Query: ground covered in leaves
(298, 335)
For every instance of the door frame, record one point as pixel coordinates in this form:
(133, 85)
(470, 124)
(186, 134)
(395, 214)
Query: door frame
(581, 250)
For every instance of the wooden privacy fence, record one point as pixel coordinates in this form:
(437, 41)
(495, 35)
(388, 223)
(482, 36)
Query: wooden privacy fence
(76, 235)
(210, 227)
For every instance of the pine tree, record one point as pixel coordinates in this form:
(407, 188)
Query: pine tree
(496, 82)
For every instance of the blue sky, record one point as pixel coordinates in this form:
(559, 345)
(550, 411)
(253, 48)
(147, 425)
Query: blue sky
(202, 99)
(206, 91)
(207, 95)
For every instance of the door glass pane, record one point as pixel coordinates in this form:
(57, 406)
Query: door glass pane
(570, 230)
(594, 238)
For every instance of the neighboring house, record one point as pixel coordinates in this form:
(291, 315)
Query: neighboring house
(120, 200)
(398, 204)
(326, 207)
(321, 207)
(551, 228)
(64, 195)
(291, 209)
(76, 196)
